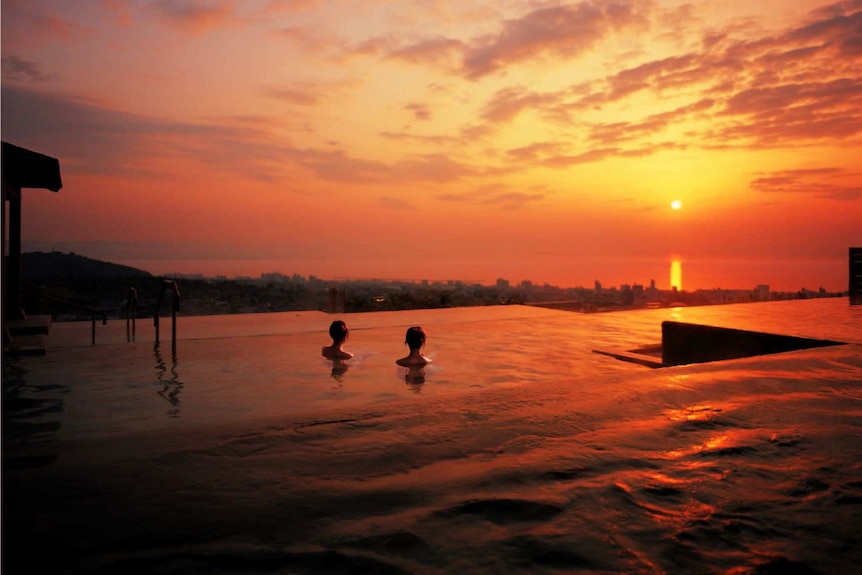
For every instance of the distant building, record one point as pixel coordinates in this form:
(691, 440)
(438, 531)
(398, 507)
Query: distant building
(628, 296)
(762, 292)
(272, 277)
(502, 284)
(598, 287)
(336, 300)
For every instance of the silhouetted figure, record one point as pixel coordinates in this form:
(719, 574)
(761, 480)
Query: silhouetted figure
(415, 340)
(339, 333)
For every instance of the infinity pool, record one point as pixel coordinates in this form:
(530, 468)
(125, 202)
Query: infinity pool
(233, 368)
(521, 452)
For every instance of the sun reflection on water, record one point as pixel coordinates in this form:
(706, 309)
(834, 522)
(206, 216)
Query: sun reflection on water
(676, 274)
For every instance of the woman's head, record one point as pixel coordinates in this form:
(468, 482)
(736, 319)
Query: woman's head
(415, 337)
(338, 331)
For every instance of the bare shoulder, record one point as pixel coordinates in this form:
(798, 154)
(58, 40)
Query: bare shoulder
(412, 361)
(333, 353)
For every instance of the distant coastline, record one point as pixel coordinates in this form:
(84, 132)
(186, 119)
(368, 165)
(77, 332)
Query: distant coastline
(70, 287)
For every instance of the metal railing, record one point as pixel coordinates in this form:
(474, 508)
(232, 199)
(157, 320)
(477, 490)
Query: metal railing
(92, 312)
(131, 306)
(131, 314)
(175, 307)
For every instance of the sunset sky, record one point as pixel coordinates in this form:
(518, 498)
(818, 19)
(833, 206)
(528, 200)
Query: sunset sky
(446, 140)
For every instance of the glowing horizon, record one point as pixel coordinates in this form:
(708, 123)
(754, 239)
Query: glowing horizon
(527, 141)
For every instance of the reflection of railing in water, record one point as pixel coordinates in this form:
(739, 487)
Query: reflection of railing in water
(175, 307)
(171, 386)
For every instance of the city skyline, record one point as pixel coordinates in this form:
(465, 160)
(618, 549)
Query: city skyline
(674, 281)
(620, 275)
(560, 142)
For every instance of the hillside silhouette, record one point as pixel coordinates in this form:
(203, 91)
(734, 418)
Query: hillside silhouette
(70, 265)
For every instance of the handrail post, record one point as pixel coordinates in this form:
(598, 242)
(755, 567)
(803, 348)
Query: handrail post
(156, 313)
(175, 307)
(131, 313)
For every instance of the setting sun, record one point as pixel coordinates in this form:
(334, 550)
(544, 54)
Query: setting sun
(676, 204)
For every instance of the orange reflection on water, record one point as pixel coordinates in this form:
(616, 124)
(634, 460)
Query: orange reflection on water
(716, 442)
(676, 274)
(666, 499)
(696, 511)
(662, 479)
(692, 413)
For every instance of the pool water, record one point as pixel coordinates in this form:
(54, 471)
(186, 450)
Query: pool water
(232, 368)
(521, 451)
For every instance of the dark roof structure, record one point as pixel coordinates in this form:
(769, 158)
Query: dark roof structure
(23, 168)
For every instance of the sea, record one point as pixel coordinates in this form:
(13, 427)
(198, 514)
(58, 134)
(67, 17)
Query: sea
(237, 448)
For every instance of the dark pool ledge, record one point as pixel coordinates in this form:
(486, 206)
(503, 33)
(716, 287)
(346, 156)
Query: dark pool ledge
(685, 343)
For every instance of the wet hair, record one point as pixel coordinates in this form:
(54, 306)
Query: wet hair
(338, 331)
(415, 337)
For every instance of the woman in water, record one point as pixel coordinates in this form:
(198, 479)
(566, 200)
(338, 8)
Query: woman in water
(339, 333)
(415, 340)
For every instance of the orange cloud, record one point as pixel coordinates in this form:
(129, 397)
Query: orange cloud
(419, 111)
(826, 183)
(33, 22)
(499, 196)
(442, 52)
(195, 16)
(559, 31)
(301, 96)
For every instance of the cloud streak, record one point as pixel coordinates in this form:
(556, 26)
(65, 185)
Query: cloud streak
(498, 196)
(823, 183)
(196, 16)
(24, 71)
